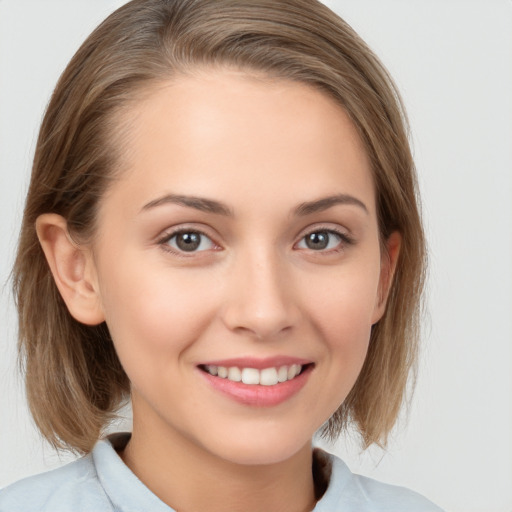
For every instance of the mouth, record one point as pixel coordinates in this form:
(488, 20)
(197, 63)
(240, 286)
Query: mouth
(260, 383)
(270, 376)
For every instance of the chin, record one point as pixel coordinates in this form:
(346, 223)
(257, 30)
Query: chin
(260, 450)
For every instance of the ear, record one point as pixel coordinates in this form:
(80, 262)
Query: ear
(389, 260)
(72, 267)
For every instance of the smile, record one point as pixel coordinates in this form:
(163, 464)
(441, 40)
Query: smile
(252, 376)
(260, 383)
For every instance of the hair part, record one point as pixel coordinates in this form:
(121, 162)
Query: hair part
(75, 382)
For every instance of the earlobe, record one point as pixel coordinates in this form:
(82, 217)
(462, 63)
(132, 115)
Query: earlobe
(72, 268)
(388, 266)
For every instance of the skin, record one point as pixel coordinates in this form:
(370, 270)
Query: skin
(254, 288)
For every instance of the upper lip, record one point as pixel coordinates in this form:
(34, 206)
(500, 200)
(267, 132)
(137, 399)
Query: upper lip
(257, 363)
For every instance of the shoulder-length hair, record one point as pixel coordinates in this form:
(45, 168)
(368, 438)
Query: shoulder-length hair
(74, 380)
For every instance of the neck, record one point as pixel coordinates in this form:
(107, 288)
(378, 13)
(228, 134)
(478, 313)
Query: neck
(189, 479)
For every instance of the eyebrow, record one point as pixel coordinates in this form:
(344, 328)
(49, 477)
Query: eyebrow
(198, 203)
(216, 207)
(325, 203)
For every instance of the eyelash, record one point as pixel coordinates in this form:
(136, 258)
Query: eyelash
(345, 240)
(164, 242)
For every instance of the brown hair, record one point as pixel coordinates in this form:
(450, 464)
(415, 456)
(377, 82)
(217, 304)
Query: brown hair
(75, 382)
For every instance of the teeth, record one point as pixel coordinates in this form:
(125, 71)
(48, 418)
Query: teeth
(282, 374)
(268, 377)
(252, 376)
(234, 374)
(293, 371)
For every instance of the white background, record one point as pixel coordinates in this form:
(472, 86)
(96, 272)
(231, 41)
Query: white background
(452, 60)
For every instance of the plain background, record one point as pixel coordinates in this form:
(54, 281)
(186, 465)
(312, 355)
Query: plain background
(452, 60)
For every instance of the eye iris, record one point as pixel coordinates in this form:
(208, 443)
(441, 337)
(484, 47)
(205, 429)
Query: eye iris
(318, 240)
(188, 241)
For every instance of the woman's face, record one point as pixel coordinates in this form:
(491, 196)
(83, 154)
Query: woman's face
(241, 239)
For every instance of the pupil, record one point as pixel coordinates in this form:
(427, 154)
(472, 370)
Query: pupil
(188, 241)
(318, 240)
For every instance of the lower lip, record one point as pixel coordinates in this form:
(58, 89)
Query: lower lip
(257, 395)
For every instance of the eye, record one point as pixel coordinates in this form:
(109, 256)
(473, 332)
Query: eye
(188, 241)
(322, 240)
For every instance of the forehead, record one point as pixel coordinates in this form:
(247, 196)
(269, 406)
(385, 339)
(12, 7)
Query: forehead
(227, 133)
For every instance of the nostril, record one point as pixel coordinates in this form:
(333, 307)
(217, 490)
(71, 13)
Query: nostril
(260, 324)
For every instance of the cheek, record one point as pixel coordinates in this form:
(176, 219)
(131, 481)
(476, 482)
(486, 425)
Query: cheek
(153, 316)
(347, 303)
(342, 317)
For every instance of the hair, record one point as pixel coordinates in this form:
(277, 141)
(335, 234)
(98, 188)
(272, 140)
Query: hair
(75, 383)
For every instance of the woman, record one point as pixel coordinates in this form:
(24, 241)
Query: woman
(221, 226)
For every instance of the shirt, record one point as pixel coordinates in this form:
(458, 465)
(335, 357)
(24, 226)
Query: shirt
(101, 482)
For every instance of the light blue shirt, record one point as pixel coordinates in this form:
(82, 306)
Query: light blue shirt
(101, 482)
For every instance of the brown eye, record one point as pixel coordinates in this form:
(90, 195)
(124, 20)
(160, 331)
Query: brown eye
(320, 240)
(190, 241)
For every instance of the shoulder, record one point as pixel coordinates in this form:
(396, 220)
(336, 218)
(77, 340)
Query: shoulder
(74, 486)
(349, 492)
(99, 482)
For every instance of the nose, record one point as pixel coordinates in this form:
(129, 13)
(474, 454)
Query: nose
(261, 300)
